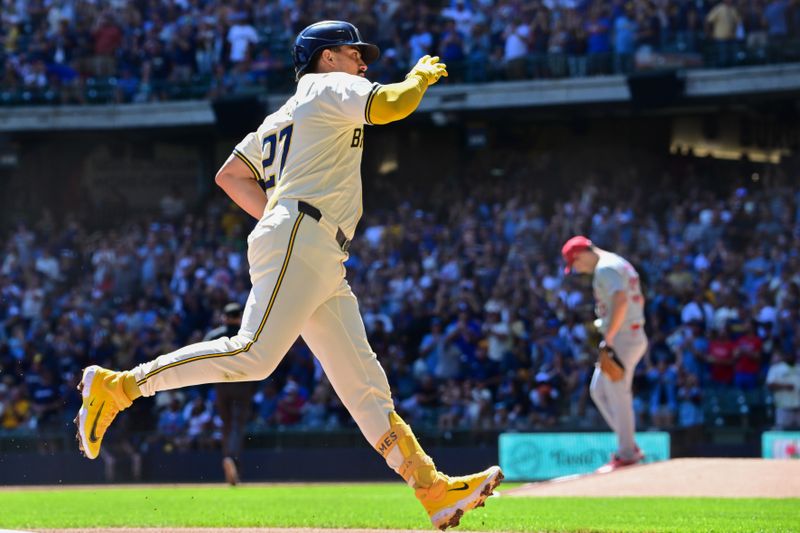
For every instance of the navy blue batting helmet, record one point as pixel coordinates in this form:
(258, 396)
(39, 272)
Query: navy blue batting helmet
(327, 34)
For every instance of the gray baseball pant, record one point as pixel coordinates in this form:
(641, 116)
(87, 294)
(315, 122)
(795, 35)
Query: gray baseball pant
(614, 400)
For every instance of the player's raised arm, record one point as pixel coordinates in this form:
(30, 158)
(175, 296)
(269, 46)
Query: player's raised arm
(396, 101)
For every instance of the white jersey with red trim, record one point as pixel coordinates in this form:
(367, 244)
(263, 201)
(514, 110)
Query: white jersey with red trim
(613, 273)
(310, 149)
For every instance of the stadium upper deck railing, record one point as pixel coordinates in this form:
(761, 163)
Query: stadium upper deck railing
(475, 69)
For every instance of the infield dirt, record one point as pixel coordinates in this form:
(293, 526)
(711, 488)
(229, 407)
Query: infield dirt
(713, 478)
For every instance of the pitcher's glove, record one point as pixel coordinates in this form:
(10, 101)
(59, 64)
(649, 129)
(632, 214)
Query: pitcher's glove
(609, 363)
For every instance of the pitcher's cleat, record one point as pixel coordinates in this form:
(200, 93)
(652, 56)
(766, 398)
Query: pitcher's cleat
(618, 462)
(103, 397)
(449, 498)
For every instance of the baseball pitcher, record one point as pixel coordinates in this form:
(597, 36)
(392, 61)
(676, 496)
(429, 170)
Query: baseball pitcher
(619, 306)
(307, 155)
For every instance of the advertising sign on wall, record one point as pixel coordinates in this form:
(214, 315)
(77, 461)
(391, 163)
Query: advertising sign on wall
(537, 456)
(780, 444)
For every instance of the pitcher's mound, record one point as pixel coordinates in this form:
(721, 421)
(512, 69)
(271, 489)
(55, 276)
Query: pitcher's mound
(718, 478)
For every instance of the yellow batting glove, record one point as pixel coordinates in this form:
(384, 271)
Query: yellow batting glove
(428, 69)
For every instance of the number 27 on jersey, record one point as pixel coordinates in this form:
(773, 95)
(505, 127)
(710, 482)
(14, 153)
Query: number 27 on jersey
(269, 147)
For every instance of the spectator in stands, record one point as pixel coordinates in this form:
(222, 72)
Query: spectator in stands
(263, 65)
(598, 29)
(462, 16)
(316, 413)
(543, 402)
(451, 46)
(776, 19)
(722, 23)
(289, 409)
(420, 43)
(208, 52)
(482, 369)
(242, 37)
(720, 358)
(517, 35)
(442, 359)
(233, 400)
(453, 405)
(182, 49)
(171, 430)
(649, 25)
(691, 347)
(16, 410)
(557, 48)
(479, 407)
(625, 30)
(156, 69)
(46, 402)
(755, 27)
(686, 23)
(222, 84)
(697, 308)
(783, 380)
(663, 380)
(539, 39)
(266, 404)
(198, 416)
(747, 351)
(107, 37)
(690, 415)
(479, 51)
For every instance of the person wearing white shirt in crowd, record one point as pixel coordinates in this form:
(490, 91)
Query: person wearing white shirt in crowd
(516, 48)
(727, 312)
(497, 331)
(462, 16)
(783, 379)
(241, 36)
(47, 264)
(697, 310)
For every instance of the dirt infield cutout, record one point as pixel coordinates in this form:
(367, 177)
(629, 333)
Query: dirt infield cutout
(717, 478)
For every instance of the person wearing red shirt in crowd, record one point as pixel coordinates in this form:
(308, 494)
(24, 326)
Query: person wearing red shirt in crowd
(290, 406)
(720, 358)
(107, 39)
(747, 352)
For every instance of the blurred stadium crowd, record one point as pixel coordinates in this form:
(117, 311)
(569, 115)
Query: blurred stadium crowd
(78, 51)
(462, 294)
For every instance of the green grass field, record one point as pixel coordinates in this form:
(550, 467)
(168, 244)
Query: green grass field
(378, 506)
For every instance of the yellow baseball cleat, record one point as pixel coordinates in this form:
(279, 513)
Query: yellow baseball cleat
(103, 398)
(450, 497)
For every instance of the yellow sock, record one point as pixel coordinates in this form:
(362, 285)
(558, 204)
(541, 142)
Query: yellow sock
(130, 387)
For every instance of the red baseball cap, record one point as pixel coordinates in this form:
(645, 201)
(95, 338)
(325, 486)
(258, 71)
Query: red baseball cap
(571, 248)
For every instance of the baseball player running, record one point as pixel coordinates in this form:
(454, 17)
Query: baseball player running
(619, 306)
(307, 155)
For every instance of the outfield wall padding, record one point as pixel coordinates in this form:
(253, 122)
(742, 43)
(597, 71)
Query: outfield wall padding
(325, 464)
